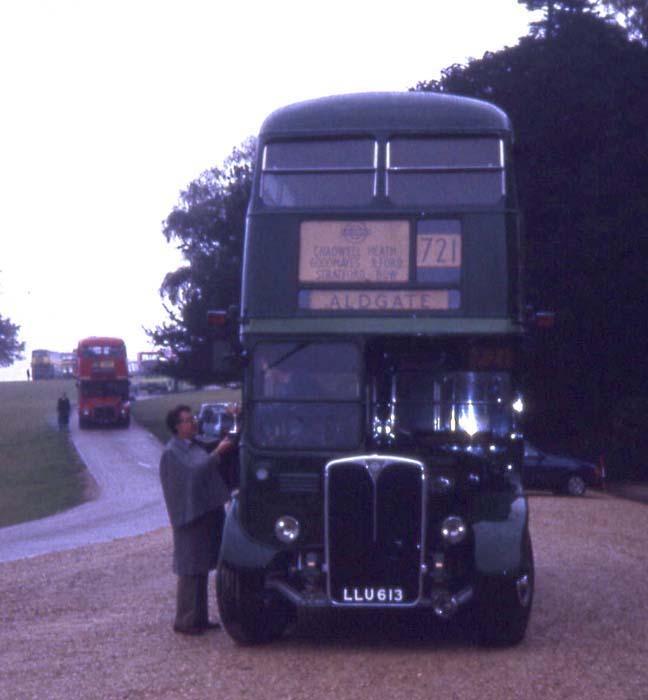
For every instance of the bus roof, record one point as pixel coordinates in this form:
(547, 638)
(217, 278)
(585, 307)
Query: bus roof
(100, 340)
(386, 111)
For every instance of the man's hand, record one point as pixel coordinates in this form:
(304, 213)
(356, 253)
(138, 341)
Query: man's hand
(225, 445)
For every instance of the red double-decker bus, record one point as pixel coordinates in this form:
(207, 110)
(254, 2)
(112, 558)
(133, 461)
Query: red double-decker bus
(102, 380)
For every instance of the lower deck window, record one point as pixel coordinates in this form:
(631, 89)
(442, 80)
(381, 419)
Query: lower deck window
(301, 425)
(306, 395)
(469, 402)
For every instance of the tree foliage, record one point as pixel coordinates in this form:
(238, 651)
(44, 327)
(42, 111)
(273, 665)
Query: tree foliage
(635, 17)
(578, 100)
(577, 92)
(11, 349)
(207, 225)
(556, 14)
(633, 13)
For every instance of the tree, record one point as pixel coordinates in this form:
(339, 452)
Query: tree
(10, 348)
(555, 11)
(635, 17)
(208, 226)
(634, 14)
(578, 100)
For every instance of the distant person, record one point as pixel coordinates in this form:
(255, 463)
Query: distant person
(28, 375)
(195, 494)
(63, 411)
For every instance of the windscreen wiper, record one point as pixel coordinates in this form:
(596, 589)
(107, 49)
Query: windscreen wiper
(290, 353)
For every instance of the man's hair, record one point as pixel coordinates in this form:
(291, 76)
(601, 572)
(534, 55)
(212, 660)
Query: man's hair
(173, 417)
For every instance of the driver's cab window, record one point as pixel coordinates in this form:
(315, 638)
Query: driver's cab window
(306, 371)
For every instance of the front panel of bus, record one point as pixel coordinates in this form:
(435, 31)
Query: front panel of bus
(380, 310)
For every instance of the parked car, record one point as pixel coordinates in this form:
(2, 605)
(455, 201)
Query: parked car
(541, 470)
(215, 420)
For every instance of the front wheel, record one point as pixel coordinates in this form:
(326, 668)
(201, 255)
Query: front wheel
(250, 614)
(503, 608)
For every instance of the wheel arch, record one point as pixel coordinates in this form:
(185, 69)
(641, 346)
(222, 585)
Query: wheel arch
(238, 549)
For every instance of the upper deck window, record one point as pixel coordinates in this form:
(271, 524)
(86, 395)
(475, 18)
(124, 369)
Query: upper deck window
(452, 171)
(103, 351)
(319, 173)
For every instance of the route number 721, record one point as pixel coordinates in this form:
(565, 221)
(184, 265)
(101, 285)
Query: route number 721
(438, 250)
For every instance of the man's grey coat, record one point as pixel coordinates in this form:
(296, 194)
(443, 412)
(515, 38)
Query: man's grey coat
(194, 492)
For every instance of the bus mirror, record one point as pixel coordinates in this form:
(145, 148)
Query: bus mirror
(222, 318)
(217, 319)
(539, 320)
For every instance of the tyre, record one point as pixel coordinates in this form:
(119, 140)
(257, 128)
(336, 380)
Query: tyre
(250, 614)
(575, 485)
(503, 607)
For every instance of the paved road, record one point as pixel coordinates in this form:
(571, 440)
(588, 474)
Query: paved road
(124, 463)
(96, 623)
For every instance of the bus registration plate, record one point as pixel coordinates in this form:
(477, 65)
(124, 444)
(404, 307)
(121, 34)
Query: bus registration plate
(370, 595)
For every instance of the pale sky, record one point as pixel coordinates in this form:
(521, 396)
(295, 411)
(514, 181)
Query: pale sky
(110, 108)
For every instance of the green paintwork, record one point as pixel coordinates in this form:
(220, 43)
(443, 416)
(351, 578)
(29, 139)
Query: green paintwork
(379, 325)
(238, 549)
(498, 542)
(387, 111)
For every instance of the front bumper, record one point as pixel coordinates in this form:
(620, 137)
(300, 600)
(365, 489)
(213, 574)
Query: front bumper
(382, 545)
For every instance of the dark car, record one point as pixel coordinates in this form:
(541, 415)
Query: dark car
(541, 470)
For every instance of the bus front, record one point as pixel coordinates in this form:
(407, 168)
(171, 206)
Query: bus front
(380, 457)
(42, 366)
(102, 381)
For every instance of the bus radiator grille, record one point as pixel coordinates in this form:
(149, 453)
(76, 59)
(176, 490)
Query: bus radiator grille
(374, 528)
(104, 413)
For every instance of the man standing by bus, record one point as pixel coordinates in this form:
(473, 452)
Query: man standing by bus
(195, 494)
(63, 411)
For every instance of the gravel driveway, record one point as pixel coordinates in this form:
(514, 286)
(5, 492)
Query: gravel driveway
(95, 622)
(124, 465)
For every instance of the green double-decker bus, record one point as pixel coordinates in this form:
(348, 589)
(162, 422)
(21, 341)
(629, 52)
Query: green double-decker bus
(381, 327)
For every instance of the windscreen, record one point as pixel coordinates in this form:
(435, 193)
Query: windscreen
(306, 395)
(468, 402)
(104, 389)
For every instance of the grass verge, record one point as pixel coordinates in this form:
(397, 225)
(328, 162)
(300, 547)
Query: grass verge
(40, 471)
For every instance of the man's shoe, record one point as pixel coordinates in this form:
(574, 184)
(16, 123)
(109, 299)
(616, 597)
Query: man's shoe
(212, 626)
(192, 631)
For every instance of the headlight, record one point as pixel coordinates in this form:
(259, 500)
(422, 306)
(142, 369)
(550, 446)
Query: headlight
(287, 529)
(453, 529)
